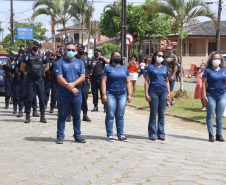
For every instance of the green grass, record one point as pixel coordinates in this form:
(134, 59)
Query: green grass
(189, 108)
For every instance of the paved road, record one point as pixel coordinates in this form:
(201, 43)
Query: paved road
(188, 86)
(29, 155)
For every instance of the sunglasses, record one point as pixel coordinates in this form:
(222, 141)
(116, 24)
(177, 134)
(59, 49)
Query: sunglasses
(71, 50)
(160, 55)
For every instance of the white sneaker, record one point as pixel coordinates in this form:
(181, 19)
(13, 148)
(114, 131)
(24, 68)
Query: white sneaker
(110, 139)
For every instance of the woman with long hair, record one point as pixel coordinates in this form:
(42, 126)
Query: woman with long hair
(157, 91)
(116, 90)
(214, 97)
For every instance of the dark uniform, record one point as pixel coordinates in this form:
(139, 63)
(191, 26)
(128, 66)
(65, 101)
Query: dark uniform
(96, 80)
(7, 67)
(35, 83)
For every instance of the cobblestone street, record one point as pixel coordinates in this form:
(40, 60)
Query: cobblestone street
(29, 154)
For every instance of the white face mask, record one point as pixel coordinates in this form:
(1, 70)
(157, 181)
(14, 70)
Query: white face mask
(159, 59)
(216, 63)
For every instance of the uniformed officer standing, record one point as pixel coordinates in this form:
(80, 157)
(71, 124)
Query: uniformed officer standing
(98, 63)
(7, 74)
(86, 84)
(70, 74)
(33, 64)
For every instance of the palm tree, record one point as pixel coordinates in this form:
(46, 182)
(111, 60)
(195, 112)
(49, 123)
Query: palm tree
(57, 9)
(183, 12)
(82, 11)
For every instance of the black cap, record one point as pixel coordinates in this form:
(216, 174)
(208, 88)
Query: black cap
(80, 46)
(35, 43)
(97, 50)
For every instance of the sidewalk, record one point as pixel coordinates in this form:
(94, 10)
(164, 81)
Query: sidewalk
(29, 155)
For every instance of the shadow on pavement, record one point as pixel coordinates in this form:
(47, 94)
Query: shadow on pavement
(42, 139)
(94, 137)
(187, 137)
(137, 137)
(13, 120)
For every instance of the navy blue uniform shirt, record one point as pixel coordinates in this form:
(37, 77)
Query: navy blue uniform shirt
(71, 71)
(157, 78)
(215, 81)
(25, 59)
(116, 78)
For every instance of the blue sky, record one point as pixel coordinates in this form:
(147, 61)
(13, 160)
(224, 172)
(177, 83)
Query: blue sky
(23, 10)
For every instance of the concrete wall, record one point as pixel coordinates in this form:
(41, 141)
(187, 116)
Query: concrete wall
(188, 60)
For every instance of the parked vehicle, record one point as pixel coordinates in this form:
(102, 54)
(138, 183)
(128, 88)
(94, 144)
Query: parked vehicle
(3, 59)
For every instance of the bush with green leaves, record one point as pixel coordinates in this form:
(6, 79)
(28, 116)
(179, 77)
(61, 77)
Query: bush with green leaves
(107, 48)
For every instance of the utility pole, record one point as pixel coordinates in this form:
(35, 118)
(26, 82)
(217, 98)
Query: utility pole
(11, 22)
(123, 36)
(218, 26)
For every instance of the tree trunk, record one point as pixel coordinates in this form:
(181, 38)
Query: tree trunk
(141, 50)
(88, 45)
(65, 31)
(181, 51)
(82, 30)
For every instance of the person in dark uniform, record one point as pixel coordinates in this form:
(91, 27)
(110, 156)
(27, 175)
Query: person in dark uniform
(70, 74)
(21, 50)
(98, 65)
(53, 81)
(7, 74)
(86, 84)
(33, 64)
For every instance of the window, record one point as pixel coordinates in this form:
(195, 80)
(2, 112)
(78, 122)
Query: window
(76, 38)
(211, 47)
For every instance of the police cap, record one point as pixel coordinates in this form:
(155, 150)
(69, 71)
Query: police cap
(80, 46)
(97, 50)
(35, 43)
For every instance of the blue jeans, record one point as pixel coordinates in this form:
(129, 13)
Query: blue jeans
(115, 108)
(64, 102)
(215, 103)
(157, 105)
(171, 83)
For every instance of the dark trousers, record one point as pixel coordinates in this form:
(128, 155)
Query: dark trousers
(96, 85)
(53, 87)
(85, 91)
(33, 87)
(8, 89)
(47, 87)
(64, 102)
(17, 99)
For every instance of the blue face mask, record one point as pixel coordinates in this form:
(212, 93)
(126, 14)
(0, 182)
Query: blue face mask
(70, 54)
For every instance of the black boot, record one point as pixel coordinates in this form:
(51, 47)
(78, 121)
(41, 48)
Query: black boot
(95, 109)
(20, 114)
(68, 119)
(219, 138)
(51, 110)
(43, 119)
(14, 109)
(27, 118)
(35, 113)
(6, 105)
(85, 117)
(211, 138)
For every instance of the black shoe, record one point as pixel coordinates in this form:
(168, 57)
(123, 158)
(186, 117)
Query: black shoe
(122, 138)
(20, 114)
(42, 118)
(27, 118)
(59, 141)
(86, 118)
(35, 113)
(80, 140)
(51, 110)
(6, 105)
(14, 109)
(68, 119)
(219, 138)
(161, 138)
(152, 139)
(95, 109)
(211, 138)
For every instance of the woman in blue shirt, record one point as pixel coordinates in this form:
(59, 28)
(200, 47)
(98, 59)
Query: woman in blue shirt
(116, 90)
(157, 91)
(214, 97)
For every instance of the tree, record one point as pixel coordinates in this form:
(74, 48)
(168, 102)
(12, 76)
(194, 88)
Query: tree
(38, 34)
(183, 12)
(82, 11)
(107, 48)
(110, 20)
(58, 10)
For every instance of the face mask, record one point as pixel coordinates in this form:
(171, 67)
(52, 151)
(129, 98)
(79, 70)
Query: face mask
(35, 48)
(96, 55)
(81, 52)
(201, 68)
(117, 60)
(58, 57)
(70, 54)
(159, 59)
(11, 58)
(216, 63)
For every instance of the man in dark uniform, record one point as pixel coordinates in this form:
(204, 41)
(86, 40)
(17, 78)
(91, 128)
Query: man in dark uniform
(21, 50)
(70, 74)
(86, 84)
(33, 64)
(7, 74)
(98, 65)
